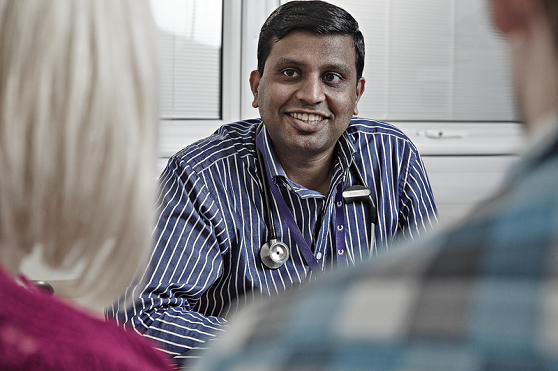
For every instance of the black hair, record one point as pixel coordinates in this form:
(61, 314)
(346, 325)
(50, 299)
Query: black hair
(317, 17)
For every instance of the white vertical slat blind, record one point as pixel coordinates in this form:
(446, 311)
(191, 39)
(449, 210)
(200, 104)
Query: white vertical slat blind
(189, 48)
(432, 60)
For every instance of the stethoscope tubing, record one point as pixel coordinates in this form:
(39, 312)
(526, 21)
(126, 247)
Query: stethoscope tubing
(303, 247)
(266, 189)
(351, 194)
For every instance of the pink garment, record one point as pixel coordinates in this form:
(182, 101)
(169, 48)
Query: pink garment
(38, 332)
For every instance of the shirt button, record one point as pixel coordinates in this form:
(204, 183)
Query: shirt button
(319, 255)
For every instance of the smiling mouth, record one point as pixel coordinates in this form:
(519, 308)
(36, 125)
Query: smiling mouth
(308, 118)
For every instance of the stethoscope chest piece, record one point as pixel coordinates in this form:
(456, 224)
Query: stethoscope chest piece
(274, 254)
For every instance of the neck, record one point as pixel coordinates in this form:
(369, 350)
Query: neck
(314, 173)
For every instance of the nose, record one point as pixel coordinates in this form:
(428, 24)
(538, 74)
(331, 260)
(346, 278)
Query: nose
(311, 90)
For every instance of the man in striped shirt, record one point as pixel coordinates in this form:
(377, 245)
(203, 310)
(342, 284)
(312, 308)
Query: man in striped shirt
(479, 296)
(212, 209)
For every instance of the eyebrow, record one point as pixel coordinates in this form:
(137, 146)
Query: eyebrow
(285, 61)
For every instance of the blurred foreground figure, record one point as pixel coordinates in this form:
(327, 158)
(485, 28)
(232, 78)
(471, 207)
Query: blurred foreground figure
(77, 135)
(480, 296)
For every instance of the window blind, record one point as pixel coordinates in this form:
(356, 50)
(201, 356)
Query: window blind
(432, 60)
(189, 39)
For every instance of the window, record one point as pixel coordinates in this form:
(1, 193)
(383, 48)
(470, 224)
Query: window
(438, 70)
(199, 50)
(200, 93)
(436, 60)
(434, 66)
(189, 50)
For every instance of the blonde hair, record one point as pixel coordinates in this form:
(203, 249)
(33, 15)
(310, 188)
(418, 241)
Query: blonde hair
(78, 113)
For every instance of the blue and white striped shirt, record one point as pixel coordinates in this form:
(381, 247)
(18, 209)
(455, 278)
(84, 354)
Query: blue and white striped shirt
(211, 224)
(478, 296)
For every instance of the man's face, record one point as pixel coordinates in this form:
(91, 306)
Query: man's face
(308, 93)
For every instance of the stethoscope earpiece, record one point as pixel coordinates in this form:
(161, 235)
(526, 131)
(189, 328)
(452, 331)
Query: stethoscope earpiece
(274, 254)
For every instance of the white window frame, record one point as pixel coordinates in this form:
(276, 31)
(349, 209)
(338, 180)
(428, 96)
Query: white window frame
(242, 20)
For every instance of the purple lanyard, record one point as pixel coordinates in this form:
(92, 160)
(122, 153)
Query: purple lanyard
(340, 230)
(295, 231)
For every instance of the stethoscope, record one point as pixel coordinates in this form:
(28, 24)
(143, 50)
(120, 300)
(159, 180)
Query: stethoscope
(274, 253)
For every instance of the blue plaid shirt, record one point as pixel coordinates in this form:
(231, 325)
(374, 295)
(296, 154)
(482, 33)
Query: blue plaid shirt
(480, 296)
(211, 224)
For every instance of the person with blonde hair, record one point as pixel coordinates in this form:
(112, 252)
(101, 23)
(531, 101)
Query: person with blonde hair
(78, 120)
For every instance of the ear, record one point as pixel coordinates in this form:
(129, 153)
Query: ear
(511, 15)
(359, 91)
(254, 85)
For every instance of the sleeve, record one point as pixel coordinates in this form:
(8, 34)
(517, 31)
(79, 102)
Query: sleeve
(417, 208)
(190, 240)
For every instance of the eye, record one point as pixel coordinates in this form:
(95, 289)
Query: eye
(332, 78)
(290, 73)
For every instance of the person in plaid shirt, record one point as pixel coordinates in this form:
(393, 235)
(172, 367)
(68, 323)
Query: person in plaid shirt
(482, 295)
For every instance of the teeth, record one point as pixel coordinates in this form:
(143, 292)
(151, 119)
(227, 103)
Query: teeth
(309, 118)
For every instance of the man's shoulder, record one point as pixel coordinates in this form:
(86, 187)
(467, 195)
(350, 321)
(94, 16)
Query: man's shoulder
(373, 127)
(232, 139)
(366, 131)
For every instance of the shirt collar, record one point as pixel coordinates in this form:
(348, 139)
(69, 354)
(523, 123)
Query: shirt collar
(346, 150)
(275, 167)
